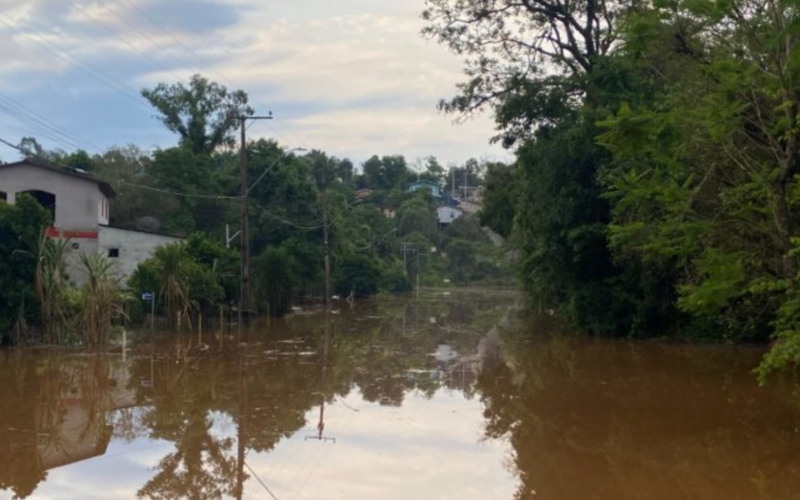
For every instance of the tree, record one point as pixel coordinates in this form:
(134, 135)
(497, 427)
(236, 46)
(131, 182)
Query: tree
(192, 174)
(500, 199)
(203, 113)
(373, 171)
(275, 281)
(417, 215)
(30, 147)
(703, 176)
(522, 56)
(79, 159)
(21, 226)
(434, 171)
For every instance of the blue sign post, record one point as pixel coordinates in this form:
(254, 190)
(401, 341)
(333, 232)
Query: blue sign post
(149, 296)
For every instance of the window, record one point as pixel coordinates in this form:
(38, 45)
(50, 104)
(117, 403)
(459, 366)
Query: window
(113, 253)
(45, 199)
(3, 196)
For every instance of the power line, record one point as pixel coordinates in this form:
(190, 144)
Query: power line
(121, 37)
(296, 225)
(203, 64)
(32, 127)
(259, 480)
(184, 195)
(286, 221)
(44, 123)
(83, 66)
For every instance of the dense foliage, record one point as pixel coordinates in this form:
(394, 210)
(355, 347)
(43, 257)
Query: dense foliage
(657, 158)
(20, 229)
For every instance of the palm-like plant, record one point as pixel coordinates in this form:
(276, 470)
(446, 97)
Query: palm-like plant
(102, 298)
(170, 262)
(51, 283)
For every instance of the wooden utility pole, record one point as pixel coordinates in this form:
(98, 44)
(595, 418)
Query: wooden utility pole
(326, 246)
(244, 299)
(325, 354)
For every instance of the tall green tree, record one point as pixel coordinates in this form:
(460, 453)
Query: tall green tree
(204, 113)
(522, 57)
(500, 198)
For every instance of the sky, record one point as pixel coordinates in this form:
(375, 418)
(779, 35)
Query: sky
(350, 77)
(429, 448)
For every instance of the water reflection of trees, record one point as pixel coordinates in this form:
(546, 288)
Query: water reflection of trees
(603, 419)
(264, 388)
(184, 392)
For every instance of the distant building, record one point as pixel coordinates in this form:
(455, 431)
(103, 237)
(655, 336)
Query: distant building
(433, 187)
(80, 206)
(447, 215)
(363, 194)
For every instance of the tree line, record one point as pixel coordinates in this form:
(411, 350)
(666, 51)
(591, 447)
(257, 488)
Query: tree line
(655, 185)
(386, 238)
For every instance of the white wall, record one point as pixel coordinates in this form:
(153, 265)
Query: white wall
(134, 246)
(447, 215)
(78, 201)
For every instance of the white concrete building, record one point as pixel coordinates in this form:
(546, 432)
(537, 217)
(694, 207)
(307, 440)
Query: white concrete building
(80, 205)
(447, 215)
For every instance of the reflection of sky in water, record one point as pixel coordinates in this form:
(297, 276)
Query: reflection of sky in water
(119, 473)
(428, 448)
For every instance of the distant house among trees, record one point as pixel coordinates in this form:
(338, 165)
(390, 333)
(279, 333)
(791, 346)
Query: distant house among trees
(79, 204)
(446, 215)
(363, 194)
(433, 187)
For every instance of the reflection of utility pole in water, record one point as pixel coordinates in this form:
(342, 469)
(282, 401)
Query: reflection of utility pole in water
(325, 352)
(240, 432)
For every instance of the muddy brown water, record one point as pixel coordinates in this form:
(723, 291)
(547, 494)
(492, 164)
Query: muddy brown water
(458, 396)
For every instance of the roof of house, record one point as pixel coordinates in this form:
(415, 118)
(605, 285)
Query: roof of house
(104, 186)
(425, 182)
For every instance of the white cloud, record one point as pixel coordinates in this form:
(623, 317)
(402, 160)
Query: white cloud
(353, 78)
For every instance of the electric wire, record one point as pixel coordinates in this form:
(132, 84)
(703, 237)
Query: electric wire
(259, 480)
(120, 36)
(32, 128)
(45, 123)
(203, 64)
(77, 63)
(181, 194)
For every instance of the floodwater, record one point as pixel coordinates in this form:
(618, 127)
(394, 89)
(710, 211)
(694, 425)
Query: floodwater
(458, 396)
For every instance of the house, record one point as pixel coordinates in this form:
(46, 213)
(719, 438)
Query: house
(80, 206)
(446, 215)
(363, 194)
(433, 187)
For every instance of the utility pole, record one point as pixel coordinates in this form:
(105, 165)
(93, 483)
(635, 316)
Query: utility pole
(466, 182)
(325, 354)
(417, 287)
(407, 247)
(244, 299)
(325, 246)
